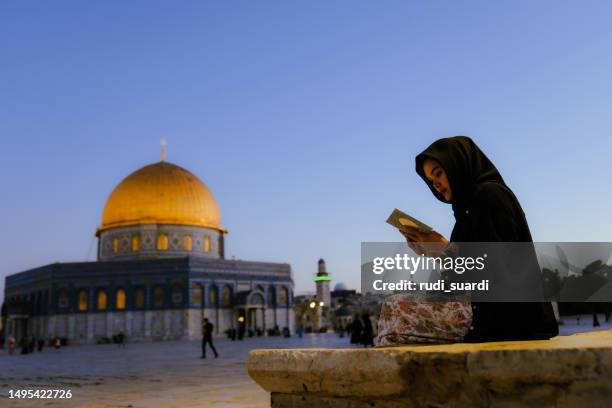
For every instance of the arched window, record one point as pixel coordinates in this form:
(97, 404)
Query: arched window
(162, 242)
(212, 296)
(83, 300)
(187, 243)
(207, 243)
(135, 242)
(158, 297)
(120, 299)
(282, 296)
(139, 298)
(226, 296)
(62, 299)
(115, 245)
(177, 294)
(102, 300)
(196, 295)
(256, 299)
(271, 296)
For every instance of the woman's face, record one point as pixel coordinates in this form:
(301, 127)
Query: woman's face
(437, 176)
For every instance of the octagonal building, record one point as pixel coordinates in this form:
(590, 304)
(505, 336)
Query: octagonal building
(161, 270)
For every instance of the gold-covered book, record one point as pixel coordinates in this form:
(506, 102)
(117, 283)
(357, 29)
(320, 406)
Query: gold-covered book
(400, 219)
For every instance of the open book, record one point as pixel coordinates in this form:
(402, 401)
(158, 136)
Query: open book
(399, 219)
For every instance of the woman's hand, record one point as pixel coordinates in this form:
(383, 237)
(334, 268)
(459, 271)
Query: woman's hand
(429, 244)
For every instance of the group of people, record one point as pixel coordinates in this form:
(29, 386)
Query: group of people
(29, 344)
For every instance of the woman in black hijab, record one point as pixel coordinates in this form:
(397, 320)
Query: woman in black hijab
(486, 210)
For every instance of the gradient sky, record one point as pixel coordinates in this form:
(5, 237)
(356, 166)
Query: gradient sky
(303, 118)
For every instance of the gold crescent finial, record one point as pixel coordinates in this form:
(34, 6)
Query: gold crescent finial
(163, 146)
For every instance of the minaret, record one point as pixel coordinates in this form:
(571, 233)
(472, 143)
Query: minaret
(323, 280)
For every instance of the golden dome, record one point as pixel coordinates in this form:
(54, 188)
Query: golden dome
(161, 193)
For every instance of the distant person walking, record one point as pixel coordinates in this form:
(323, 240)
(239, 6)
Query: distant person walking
(207, 331)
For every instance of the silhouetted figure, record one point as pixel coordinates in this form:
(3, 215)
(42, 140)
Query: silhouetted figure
(57, 343)
(207, 331)
(41, 345)
(595, 320)
(367, 338)
(356, 330)
(121, 339)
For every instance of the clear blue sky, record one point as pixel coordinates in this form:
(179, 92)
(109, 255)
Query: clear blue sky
(302, 117)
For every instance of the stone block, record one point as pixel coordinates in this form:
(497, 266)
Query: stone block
(565, 371)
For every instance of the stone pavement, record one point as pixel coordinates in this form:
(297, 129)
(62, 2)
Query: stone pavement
(156, 374)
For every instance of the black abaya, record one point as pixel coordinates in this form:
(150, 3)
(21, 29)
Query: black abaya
(486, 210)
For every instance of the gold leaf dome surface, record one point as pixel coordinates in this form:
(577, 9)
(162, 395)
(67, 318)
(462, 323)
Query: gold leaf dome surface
(161, 193)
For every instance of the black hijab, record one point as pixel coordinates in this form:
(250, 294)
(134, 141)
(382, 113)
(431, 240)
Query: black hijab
(466, 167)
(486, 210)
(477, 188)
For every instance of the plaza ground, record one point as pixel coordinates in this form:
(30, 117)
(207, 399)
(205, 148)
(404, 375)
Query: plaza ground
(160, 374)
(152, 374)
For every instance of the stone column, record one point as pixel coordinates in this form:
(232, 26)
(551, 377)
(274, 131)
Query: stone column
(90, 328)
(167, 329)
(263, 313)
(71, 332)
(128, 323)
(147, 323)
(110, 324)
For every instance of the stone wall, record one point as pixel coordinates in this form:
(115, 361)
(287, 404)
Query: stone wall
(90, 327)
(567, 371)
